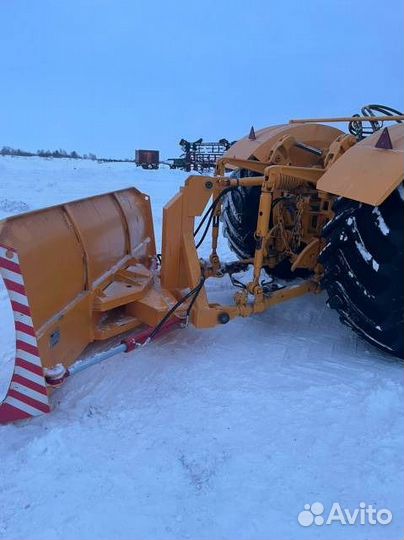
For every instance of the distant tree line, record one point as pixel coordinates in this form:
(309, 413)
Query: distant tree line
(8, 151)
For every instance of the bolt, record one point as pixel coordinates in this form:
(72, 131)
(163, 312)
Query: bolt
(223, 318)
(209, 184)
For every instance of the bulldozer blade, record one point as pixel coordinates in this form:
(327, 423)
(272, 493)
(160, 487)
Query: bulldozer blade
(71, 272)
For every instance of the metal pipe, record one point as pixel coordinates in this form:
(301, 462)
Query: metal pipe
(386, 118)
(81, 365)
(307, 148)
(128, 344)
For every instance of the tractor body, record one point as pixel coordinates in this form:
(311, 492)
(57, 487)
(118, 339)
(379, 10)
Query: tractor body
(301, 200)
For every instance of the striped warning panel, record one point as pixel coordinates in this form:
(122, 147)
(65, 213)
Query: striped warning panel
(27, 395)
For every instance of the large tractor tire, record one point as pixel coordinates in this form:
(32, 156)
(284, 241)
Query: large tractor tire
(363, 269)
(239, 217)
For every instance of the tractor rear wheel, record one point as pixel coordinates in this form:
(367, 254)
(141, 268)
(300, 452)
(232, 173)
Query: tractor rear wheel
(239, 217)
(363, 269)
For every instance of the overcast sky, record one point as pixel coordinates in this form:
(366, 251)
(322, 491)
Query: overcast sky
(109, 76)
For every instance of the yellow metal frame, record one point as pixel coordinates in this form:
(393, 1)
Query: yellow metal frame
(181, 267)
(90, 266)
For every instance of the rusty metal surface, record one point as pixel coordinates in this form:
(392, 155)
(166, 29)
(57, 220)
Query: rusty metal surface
(148, 159)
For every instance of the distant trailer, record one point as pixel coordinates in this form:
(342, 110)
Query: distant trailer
(147, 159)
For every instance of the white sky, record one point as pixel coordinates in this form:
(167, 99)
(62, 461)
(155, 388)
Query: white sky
(109, 76)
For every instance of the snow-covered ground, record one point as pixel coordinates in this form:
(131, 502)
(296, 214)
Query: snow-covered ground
(222, 433)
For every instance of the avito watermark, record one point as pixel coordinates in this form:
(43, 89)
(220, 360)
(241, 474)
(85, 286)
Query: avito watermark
(364, 514)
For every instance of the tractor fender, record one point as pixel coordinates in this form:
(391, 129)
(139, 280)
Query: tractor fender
(259, 145)
(370, 170)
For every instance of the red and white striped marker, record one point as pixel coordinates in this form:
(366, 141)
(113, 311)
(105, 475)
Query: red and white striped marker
(27, 395)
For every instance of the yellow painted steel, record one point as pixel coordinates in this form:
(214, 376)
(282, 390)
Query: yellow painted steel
(89, 265)
(315, 135)
(365, 173)
(81, 261)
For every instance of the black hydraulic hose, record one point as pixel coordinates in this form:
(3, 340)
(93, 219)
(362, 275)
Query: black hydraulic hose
(209, 214)
(368, 110)
(356, 127)
(211, 208)
(205, 232)
(191, 304)
(195, 290)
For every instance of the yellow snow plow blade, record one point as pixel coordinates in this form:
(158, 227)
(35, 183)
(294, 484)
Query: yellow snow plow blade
(71, 270)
